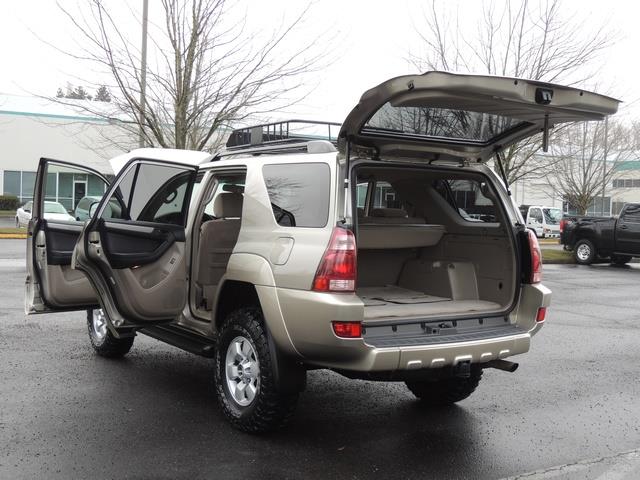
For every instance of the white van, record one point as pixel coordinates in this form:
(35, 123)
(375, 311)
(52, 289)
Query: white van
(544, 221)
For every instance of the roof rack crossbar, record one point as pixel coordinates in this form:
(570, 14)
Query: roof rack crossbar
(274, 147)
(287, 131)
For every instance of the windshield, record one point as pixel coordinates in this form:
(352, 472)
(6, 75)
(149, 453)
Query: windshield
(552, 216)
(53, 207)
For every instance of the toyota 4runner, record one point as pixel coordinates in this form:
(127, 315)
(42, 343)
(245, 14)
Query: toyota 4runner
(385, 249)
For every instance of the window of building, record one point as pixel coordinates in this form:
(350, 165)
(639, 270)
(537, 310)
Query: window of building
(11, 183)
(20, 184)
(299, 193)
(626, 183)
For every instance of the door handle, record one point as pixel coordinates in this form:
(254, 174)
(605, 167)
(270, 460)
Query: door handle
(623, 227)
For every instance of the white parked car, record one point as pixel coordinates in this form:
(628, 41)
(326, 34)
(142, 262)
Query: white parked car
(52, 211)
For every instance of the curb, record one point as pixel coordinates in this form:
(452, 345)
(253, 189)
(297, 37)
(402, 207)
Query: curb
(13, 235)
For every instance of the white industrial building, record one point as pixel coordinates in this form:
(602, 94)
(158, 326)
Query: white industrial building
(31, 128)
(623, 188)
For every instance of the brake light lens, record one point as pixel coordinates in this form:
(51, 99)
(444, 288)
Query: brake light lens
(542, 313)
(536, 258)
(563, 222)
(347, 329)
(337, 269)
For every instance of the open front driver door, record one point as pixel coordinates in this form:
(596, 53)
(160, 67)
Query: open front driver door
(133, 248)
(60, 191)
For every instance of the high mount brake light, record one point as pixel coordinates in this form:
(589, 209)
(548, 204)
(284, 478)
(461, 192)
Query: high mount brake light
(337, 269)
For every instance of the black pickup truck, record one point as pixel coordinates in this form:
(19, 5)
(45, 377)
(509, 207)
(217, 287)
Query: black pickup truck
(592, 238)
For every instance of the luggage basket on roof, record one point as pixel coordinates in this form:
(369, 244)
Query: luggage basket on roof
(285, 132)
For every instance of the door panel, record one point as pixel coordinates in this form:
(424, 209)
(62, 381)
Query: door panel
(52, 285)
(132, 245)
(137, 259)
(61, 238)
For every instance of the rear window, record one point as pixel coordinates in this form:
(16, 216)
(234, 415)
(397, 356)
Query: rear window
(632, 214)
(441, 123)
(299, 193)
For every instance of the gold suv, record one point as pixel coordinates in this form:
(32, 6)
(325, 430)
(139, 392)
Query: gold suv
(384, 248)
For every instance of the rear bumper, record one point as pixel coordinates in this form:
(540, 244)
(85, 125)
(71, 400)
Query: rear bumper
(308, 315)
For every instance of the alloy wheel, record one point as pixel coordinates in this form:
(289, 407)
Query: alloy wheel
(242, 371)
(99, 324)
(583, 252)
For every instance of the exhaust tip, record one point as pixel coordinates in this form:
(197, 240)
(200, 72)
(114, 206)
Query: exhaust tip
(503, 365)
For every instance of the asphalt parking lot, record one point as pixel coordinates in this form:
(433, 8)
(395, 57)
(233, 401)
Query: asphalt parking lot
(572, 410)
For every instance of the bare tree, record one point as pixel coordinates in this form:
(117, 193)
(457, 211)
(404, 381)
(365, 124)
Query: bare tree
(205, 71)
(529, 39)
(585, 162)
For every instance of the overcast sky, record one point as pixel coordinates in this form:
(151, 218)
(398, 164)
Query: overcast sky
(371, 43)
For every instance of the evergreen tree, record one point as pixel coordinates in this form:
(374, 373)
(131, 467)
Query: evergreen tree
(102, 94)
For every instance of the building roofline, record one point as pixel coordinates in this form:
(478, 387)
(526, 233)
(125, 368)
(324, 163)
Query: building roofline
(53, 115)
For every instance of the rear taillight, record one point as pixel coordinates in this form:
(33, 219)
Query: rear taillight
(563, 222)
(536, 258)
(337, 270)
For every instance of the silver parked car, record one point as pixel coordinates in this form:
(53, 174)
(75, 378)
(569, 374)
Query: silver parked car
(393, 253)
(87, 206)
(52, 211)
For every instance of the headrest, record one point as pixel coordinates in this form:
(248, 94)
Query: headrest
(228, 205)
(389, 212)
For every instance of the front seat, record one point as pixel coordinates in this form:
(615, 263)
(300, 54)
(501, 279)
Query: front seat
(217, 239)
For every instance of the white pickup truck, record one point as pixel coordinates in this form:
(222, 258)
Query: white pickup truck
(544, 221)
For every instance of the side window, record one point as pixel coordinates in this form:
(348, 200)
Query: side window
(536, 215)
(385, 196)
(362, 189)
(299, 193)
(226, 183)
(67, 188)
(159, 195)
(632, 214)
(473, 200)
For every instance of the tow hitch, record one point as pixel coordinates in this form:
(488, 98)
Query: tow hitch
(462, 369)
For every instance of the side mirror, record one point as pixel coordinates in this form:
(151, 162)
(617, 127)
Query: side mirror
(92, 209)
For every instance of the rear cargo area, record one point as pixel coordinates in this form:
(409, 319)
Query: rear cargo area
(431, 244)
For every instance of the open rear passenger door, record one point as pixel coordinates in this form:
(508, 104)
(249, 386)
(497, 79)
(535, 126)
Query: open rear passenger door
(52, 285)
(133, 248)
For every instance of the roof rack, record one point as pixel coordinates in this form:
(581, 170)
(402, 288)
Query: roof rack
(283, 133)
